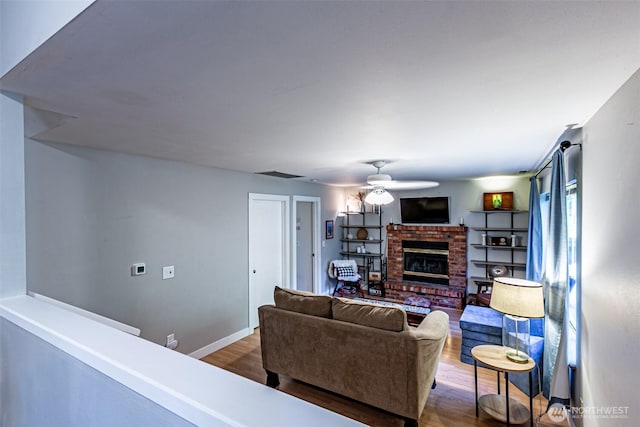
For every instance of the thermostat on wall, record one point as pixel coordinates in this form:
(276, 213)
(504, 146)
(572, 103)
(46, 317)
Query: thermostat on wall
(138, 269)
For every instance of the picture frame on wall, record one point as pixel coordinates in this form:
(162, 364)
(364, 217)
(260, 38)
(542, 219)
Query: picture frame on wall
(328, 229)
(498, 201)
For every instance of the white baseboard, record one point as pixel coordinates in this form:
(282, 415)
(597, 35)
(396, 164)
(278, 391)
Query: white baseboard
(221, 343)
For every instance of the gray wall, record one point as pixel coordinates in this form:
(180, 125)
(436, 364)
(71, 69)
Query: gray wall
(304, 246)
(465, 196)
(12, 214)
(50, 388)
(610, 318)
(92, 214)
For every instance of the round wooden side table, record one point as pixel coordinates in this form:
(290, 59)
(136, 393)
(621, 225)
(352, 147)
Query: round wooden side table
(495, 357)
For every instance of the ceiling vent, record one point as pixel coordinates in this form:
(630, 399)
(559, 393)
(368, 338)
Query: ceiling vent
(279, 174)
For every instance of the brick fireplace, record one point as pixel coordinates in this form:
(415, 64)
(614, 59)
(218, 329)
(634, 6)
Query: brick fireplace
(447, 288)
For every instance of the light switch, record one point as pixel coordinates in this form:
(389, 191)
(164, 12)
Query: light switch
(168, 272)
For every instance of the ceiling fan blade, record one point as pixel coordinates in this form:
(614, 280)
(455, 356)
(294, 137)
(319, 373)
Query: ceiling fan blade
(410, 185)
(382, 180)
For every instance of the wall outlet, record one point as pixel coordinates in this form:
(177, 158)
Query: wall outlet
(168, 272)
(172, 342)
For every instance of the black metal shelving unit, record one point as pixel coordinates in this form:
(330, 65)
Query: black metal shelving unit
(498, 231)
(373, 259)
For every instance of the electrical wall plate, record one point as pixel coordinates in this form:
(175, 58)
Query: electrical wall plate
(168, 272)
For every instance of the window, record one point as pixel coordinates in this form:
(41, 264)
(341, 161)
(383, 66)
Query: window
(572, 262)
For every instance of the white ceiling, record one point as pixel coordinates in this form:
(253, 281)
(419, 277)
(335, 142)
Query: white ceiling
(445, 90)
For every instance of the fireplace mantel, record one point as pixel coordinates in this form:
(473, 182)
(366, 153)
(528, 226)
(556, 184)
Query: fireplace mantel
(451, 295)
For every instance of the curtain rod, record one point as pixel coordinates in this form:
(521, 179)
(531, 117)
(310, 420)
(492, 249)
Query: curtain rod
(564, 145)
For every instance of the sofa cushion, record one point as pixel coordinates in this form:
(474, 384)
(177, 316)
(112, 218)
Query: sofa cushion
(377, 316)
(303, 302)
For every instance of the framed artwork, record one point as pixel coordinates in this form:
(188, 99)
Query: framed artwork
(498, 201)
(328, 229)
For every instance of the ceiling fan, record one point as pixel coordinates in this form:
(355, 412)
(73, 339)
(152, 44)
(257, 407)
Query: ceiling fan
(385, 181)
(380, 183)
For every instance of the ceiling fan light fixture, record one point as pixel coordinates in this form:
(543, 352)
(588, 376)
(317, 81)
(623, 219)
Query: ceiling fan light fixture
(379, 196)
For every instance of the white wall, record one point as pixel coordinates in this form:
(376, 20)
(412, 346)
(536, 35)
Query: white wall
(610, 336)
(65, 391)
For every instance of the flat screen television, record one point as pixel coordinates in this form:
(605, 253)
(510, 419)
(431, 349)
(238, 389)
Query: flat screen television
(425, 210)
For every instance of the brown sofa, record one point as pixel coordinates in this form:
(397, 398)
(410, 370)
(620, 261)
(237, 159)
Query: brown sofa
(364, 351)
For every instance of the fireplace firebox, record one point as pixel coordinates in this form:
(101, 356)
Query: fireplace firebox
(426, 262)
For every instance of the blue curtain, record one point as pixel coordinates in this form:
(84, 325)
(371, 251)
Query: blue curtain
(534, 238)
(555, 379)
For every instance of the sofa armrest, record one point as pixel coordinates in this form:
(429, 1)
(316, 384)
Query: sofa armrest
(433, 327)
(429, 339)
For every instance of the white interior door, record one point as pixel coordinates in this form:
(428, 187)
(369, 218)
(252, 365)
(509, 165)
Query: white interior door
(268, 249)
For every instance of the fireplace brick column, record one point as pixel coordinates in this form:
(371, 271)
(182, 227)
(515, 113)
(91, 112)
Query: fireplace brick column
(452, 295)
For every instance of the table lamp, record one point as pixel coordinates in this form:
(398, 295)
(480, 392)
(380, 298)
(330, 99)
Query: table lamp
(519, 300)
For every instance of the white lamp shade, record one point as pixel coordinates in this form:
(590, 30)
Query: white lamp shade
(379, 196)
(517, 297)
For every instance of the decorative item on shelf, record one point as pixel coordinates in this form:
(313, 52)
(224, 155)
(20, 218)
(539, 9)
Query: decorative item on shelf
(362, 234)
(375, 276)
(360, 196)
(498, 241)
(498, 201)
(484, 239)
(514, 240)
(349, 236)
(498, 271)
(519, 300)
(376, 290)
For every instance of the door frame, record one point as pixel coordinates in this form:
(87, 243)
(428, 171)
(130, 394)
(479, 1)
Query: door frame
(286, 242)
(316, 236)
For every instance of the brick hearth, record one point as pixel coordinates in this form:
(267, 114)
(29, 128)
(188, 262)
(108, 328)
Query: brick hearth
(452, 295)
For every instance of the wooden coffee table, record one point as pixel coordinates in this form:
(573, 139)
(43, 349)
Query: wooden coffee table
(495, 405)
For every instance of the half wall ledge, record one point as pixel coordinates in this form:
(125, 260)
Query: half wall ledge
(196, 391)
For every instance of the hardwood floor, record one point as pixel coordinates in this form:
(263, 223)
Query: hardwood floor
(451, 404)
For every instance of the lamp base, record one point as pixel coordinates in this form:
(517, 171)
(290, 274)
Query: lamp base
(517, 356)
